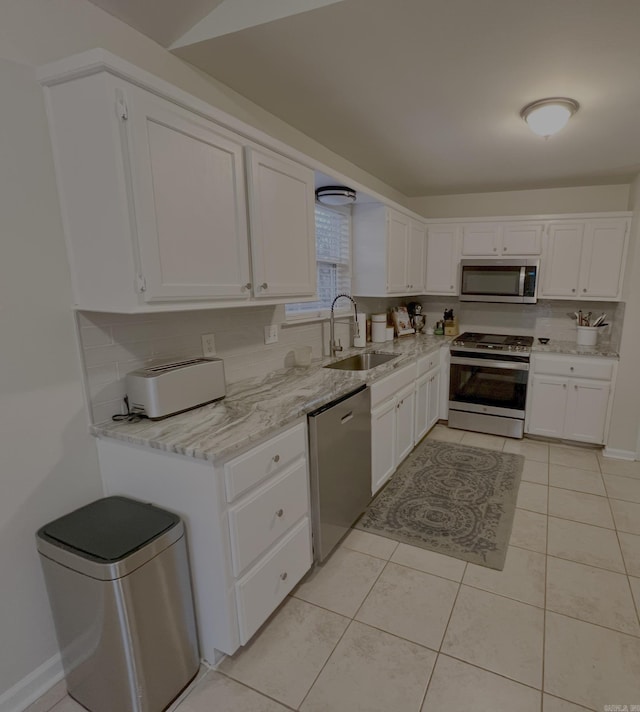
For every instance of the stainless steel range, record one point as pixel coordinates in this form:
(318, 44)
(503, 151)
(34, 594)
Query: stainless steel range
(488, 383)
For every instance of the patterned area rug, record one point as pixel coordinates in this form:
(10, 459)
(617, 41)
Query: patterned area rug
(452, 499)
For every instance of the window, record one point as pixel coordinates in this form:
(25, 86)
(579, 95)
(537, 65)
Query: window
(333, 263)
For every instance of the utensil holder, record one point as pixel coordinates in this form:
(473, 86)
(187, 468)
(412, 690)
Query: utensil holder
(587, 335)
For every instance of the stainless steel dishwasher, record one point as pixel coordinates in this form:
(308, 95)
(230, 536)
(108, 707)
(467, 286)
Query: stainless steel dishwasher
(340, 461)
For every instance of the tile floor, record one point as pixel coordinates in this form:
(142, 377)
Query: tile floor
(386, 626)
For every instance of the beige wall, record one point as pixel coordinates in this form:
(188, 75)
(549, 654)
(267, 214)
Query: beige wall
(48, 460)
(625, 418)
(48, 463)
(547, 201)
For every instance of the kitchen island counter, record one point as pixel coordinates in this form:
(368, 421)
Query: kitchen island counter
(255, 408)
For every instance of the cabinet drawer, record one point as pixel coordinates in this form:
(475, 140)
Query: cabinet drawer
(574, 367)
(389, 386)
(263, 461)
(263, 588)
(258, 521)
(426, 363)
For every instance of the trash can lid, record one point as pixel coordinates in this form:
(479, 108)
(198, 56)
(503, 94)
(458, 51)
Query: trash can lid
(109, 529)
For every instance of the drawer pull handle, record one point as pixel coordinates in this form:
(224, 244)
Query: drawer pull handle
(276, 458)
(284, 575)
(280, 512)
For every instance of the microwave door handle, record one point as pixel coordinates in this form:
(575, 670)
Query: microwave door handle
(523, 271)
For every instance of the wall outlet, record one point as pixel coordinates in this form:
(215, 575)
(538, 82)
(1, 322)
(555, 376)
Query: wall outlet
(271, 334)
(208, 345)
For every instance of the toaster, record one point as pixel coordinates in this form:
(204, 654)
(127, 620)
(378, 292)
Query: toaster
(173, 387)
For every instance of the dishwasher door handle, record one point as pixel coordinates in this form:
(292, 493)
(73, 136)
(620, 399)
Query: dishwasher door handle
(346, 418)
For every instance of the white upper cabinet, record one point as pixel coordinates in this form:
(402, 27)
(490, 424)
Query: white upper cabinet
(165, 209)
(281, 207)
(497, 239)
(190, 205)
(416, 256)
(388, 252)
(443, 258)
(585, 259)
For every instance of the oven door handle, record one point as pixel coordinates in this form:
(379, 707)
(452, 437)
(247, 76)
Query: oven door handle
(506, 365)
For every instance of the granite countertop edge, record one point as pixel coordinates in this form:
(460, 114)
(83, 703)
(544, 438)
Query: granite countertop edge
(570, 347)
(256, 408)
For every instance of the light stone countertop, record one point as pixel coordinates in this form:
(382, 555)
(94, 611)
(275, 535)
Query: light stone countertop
(256, 408)
(570, 347)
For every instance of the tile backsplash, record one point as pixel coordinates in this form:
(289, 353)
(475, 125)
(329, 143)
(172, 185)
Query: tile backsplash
(114, 344)
(545, 318)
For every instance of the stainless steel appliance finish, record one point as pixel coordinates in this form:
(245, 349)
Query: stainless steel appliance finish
(175, 386)
(362, 362)
(340, 460)
(488, 382)
(125, 624)
(506, 280)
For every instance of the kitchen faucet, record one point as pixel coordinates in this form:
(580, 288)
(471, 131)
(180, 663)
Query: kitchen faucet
(333, 347)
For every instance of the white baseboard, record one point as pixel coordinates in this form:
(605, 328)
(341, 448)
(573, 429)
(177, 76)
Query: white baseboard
(620, 454)
(33, 686)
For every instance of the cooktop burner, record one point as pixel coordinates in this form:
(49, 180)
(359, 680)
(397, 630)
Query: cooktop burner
(494, 342)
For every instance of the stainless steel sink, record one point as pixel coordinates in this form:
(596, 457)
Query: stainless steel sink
(362, 362)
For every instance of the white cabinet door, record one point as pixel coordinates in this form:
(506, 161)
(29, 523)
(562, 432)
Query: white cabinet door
(190, 204)
(433, 410)
(404, 422)
(421, 418)
(481, 239)
(587, 403)
(416, 256)
(562, 258)
(282, 225)
(522, 238)
(603, 255)
(443, 257)
(398, 227)
(548, 405)
(383, 443)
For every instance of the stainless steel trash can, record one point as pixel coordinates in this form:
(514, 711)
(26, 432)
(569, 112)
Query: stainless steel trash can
(117, 576)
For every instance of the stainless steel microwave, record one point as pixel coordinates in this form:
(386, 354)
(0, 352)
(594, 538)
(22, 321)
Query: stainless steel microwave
(514, 281)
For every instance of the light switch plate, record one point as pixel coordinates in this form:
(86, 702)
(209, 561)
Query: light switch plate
(208, 345)
(271, 334)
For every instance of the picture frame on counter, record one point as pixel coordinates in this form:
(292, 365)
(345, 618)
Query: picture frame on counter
(401, 321)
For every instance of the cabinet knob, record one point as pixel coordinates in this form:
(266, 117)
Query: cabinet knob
(575, 385)
(564, 385)
(451, 286)
(584, 290)
(504, 249)
(276, 458)
(264, 285)
(280, 512)
(247, 285)
(571, 368)
(284, 575)
(573, 290)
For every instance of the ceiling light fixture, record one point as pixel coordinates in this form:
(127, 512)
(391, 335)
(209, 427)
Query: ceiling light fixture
(546, 117)
(335, 195)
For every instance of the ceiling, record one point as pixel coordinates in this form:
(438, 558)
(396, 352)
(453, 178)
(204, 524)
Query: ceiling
(426, 94)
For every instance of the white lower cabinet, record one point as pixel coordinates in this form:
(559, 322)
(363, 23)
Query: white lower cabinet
(570, 397)
(405, 406)
(248, 526)
(427, 406)
(405, 415)
(383, 443)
